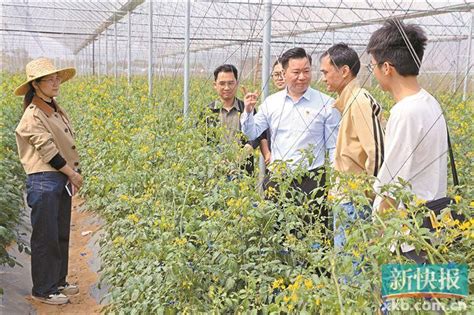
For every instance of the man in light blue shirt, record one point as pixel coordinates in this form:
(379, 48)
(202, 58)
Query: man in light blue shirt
(300, 118)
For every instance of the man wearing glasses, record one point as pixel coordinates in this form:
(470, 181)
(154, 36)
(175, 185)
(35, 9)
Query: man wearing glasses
(416, 141)
(227, 108)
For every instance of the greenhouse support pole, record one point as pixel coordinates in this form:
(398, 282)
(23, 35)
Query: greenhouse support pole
(86, 60)
(129, 48)
(115, 49)
(266, 65)
(150, 49)
(186, 57)
(99, 58)
(469, 58)
(93, 57)
(266, 55)
(106, 53)
(456, 69)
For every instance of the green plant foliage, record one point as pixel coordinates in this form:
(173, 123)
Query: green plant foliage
(11, 173)
(187, 231)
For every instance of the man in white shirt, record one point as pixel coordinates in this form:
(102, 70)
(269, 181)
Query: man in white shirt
(300, 119)
(416, 135)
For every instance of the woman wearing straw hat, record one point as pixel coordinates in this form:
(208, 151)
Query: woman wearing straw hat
(48, 154)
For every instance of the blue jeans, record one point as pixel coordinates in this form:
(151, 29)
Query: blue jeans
(50, 220)
(341, 224)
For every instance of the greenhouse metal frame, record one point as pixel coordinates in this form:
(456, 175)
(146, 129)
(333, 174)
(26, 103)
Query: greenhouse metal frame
(131, 37)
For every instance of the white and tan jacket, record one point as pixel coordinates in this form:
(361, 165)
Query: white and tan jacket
(41, 134)
(359, 146)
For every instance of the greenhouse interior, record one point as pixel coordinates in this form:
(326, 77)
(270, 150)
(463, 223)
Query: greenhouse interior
(166, 215)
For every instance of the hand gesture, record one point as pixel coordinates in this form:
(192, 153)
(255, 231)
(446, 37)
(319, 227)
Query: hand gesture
(76, 180)
(250, 99)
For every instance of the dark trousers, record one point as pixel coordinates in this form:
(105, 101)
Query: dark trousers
(50, 219)
(314, 182)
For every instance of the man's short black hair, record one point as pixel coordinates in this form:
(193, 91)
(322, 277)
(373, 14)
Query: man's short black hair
(390, 44)
(343, 55)
(293, 53)
(226, 68)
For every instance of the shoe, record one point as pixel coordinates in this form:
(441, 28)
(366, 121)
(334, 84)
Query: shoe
(68, 289)
(54, 299)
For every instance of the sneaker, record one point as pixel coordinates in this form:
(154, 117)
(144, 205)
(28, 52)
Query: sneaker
(68, 289)
(54, 299)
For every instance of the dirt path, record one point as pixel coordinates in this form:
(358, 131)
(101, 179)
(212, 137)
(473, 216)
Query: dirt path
(80, 272)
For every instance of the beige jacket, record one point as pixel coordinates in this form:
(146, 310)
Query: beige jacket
(41, 134)
(359, 146)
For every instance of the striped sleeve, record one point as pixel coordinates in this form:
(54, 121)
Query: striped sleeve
(368, 127)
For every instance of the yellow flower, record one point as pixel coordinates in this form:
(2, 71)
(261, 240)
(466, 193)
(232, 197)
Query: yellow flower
(278, 283)
(319, 286)
(465, 226)
(356, 253)
(119, 240)
(471, 204)
(353, 185)
(286, 299)
(144, 149)
(243, 186)
(405, 229)
(124, 197)
(211, 292)
(298, 279)
(308, 283)
(403, 213)
(294, 297)
(317, 301)
(133, 217)
(271, 191)
(290, 238)
(180, 241)
(457, 198)
(230, 202)
(419, 201)
(186, 284)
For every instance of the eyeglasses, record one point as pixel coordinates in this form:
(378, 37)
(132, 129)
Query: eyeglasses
(371, 66)
(230, 84)
(277, 75)
(52, 80)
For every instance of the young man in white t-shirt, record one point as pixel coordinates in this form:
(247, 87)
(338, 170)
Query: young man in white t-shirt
(416, 136)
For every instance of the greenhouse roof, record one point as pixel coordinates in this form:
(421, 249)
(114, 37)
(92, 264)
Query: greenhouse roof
(70, 26)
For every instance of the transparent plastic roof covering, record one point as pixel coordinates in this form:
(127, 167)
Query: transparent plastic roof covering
(217, 28)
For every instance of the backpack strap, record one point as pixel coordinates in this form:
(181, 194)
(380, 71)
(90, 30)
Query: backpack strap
(451, 162)
(241, 105)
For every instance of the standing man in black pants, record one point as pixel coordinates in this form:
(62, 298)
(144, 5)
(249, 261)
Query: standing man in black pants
(303, 126)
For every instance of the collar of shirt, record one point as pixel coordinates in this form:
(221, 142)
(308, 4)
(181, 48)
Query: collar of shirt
(46, 107)
(298, 125)
(341, 101)
(306, 95)
(217, 105)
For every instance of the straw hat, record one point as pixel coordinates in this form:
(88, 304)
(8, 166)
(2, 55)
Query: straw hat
(42, 67)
